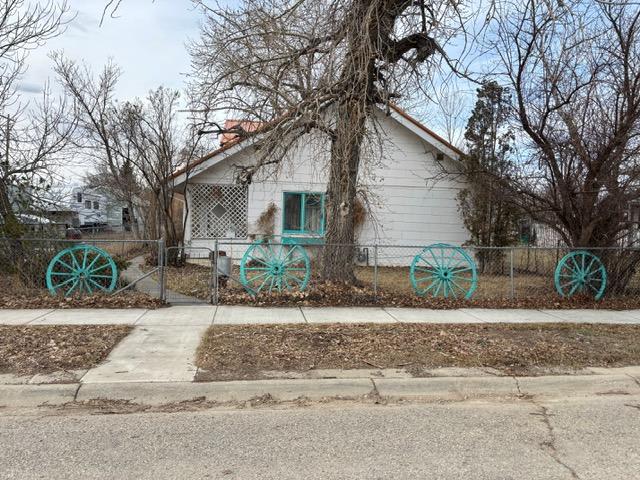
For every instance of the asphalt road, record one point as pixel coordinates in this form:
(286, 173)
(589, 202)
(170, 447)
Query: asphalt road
(591, 438)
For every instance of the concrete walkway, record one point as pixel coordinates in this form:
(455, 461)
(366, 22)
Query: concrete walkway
(203, 315)
(151, 286)
(151, 354)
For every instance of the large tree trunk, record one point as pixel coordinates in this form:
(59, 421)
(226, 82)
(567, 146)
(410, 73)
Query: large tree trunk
(338, 255)
(351, 113)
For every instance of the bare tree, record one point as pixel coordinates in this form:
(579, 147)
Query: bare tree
(33, 137)
(448, 112)
(98, 133)
(575, 74)
(320, 67)
(160, 144)
(574, 70)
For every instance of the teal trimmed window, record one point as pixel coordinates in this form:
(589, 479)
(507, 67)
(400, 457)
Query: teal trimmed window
(303, 213)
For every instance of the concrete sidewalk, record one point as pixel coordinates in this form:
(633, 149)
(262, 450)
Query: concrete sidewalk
(204, 315)
(155, 363)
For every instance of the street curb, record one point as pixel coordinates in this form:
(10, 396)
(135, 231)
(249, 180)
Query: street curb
(37, 395)
(236, 391)
(431, 389)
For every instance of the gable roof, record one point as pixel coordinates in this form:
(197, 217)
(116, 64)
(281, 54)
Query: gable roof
(237, 144)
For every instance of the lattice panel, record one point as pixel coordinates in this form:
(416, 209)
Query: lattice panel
(218, 211)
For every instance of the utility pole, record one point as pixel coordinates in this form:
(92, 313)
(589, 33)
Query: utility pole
(7, 136)
(6, 209)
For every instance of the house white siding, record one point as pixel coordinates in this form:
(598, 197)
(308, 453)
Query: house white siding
(412, 201)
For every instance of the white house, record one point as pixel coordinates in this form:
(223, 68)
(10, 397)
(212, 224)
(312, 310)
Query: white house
(411, 201)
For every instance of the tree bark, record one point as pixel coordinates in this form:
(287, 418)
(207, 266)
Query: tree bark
(338, 255)
(351, 113)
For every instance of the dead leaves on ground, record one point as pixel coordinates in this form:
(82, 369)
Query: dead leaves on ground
(243, 352)
(28, 350)
(337, 294)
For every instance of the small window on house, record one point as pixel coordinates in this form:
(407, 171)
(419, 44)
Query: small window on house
(303, 213)
(87, 204)
(96, 206)
(79, 197)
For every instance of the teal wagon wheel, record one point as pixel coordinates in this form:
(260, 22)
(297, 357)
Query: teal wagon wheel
(82, 269)
(580, 272)
(443, 270)
(266, 267)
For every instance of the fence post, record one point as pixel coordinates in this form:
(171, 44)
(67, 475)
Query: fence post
(161, 270)
(375, 270)
(513, 285)
(214, 298)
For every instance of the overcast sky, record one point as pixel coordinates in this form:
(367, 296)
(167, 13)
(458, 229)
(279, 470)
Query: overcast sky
(147, 41)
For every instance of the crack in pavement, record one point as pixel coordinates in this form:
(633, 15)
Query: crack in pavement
(549, 445)
(375, 394)
(633, 378)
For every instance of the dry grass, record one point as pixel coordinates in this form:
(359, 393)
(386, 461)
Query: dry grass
(195, 279)
(14, 294)
(244, 352)
(396, 280)
(191, 279)
(394, 289)
(29, 350)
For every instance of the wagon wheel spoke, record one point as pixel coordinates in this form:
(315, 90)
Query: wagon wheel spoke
(257, 277)
(294, 278)
(66, 282)
(455, 284)
(100, 268)
(62, 262)
(74, 260)
(264, 282)
(73, 287)
(422, 279)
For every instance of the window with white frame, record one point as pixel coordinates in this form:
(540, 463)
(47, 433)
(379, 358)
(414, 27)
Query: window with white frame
(218, 211)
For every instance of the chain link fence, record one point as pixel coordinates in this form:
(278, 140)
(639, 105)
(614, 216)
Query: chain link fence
(187, 274)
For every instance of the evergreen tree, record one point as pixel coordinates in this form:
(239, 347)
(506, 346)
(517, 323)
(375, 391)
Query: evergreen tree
(488, 214)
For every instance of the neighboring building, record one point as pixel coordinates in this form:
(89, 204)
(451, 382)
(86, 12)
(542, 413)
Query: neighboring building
(89, 207)
(412, 201)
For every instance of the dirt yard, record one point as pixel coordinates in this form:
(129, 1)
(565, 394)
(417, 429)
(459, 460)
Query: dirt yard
(246, 352)
(29, 350)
